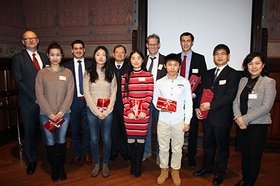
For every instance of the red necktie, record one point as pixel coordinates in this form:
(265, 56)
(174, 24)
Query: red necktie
(183, 67)
(35, 62)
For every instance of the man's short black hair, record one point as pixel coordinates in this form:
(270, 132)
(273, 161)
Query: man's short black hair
(172, 57)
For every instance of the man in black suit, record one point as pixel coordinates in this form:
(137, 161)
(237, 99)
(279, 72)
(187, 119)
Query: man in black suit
(78, 116)
(155, 64)
(223, 81)
(25, 66)
(194, 64)
(118, 133)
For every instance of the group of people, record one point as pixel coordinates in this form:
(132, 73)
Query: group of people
(118, 101)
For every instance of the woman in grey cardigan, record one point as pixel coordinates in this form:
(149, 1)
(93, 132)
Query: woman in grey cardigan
(251, 107)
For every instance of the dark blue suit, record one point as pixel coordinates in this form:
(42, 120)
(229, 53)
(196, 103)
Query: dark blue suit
(25, 73)
(78, 117)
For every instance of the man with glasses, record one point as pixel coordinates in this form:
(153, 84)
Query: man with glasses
(25, 66)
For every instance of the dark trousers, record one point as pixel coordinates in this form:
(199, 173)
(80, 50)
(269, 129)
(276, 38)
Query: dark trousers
(79, 123)
(216, 146)
(192, 138)
(136, 151)
(252, 142)
(30, 118)
(118, 135)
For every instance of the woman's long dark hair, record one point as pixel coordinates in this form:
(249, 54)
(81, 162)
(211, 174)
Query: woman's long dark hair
(250, 57)
(130, 68)
(109, 74)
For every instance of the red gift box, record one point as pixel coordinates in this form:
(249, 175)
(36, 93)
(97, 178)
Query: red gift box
(102, 104)
(207, 96)
(194, 81)
(136, 106)
(167, 104)
(53, 125)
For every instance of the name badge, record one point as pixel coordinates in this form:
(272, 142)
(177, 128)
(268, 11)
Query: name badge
(222, 82)
(195, 71)
(252, 96)
(141, 79)
(63, 78)
(160, 67)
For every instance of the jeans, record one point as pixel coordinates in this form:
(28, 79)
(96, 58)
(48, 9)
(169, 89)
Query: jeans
(97, 127)
(59, 135)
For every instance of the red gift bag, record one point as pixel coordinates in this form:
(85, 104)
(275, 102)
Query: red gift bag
(136, 106)
(207, 96)
(102, 104)
(194, 81)
(53, 125)
(167, 104)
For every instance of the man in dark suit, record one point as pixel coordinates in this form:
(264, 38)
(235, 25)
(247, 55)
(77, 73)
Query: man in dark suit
(78, 116)
(155, 64)
(25, 66)
(118, 133)
(223, 81)
(192, 64)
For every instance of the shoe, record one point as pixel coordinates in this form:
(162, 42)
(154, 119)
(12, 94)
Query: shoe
(146, 155)
(218, 180)
(163, 176)
(95, 170)
(201, 172)
(240, 183)
(75, 160)
(176, 177)
(105, 171)
(192, 162)
(31, 168)
(88, 160)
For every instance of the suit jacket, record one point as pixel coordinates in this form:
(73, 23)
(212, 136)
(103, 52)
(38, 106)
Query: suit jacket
(259, 108)
(24, 73)
(224, 89)
(197, 67)
(70, 65)
(160, 72)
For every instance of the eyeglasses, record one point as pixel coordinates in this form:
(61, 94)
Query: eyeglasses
(30, 38)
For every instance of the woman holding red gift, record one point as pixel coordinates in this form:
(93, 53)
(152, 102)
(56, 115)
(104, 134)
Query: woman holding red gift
(137, 93)
(54, 91)
(100, 88)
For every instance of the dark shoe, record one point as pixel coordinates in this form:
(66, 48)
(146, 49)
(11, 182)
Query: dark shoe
(240, 183)
(192, 162)
(31, 168)
(75, 160)
(88, 160)
(201, 172)
(218, 180)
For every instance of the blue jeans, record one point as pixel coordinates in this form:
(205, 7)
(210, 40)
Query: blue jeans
(97, 127)
(59, 135)
(148, 142)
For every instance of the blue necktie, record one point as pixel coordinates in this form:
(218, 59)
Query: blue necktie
(80, 72)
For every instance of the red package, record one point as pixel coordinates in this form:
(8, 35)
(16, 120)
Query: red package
(167, 104)
(102, 104)
(53, 125)
(136, 106)
(194, 81)
(207, 96)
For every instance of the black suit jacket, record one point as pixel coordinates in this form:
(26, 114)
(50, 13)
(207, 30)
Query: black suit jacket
(70, 65)
(197, 67)
(24, 73)
(224, 89)
(160, 72)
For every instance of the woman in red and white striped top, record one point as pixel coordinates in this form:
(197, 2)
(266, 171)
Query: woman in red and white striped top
(137, 94)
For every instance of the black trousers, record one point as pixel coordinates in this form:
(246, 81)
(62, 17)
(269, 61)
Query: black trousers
(252, 143)
(192, 138)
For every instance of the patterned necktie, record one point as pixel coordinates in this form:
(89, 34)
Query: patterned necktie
(152, 63)
(35, 62)
(183, 67)
(216, 74)
(80, 72)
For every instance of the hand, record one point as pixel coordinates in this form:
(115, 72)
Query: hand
(198, 114)
(142, 115)
(205, 106)
(242, 126)
(186, 127)
(164, 110)
(53, 117)
(101, 116)
(240, 122)
(131, 116)
(60, 114)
